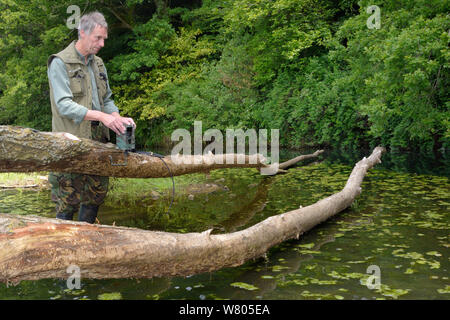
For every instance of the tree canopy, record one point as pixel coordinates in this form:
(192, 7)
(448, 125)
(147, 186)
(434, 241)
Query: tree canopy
(311, 68)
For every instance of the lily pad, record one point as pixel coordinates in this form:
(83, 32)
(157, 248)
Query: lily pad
(110, 296)
(243, 285)
(434, 253)
(445, 290)
(387, 291)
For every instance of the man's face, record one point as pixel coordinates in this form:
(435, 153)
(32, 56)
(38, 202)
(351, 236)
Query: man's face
(94, 41)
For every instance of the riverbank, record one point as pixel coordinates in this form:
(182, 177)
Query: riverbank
(122, 191)
(14, 180)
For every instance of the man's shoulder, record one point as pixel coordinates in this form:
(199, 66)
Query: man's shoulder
(54, 60)
(98, 59)
(68, 54)
(55, 56)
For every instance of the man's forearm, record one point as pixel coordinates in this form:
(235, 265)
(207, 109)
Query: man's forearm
(94, 115)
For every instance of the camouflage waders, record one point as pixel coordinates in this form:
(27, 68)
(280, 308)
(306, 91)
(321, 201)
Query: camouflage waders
(69, 190)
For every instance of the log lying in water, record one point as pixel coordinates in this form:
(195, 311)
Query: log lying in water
(29, 150)
(34, 248)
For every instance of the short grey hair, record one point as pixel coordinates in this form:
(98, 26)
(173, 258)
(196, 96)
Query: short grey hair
(90, 20)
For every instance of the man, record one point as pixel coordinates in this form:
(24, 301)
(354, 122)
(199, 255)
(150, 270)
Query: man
(82, 105)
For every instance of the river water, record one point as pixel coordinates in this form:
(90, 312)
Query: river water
(392, 243)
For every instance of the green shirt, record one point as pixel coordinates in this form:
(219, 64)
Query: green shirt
(59, 78)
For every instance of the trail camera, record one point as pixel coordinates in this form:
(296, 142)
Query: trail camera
(126, 141)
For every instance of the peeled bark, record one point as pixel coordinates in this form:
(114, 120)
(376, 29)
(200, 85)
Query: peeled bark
(29, 150)
(34, 248)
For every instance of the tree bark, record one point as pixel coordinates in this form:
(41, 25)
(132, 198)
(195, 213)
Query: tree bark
(35, 248)
(29, 150)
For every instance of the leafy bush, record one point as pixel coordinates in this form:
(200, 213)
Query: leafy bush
(311, 68)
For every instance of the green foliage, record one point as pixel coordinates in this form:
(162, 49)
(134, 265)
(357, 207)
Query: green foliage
(402, 72)
(29, 35)
(149, 41)
(178, 60)
(222, 96)
(311, 68)
(281, 32)
(384, 86)
(316, 106)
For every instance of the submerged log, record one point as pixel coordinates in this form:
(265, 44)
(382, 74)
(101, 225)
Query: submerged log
(35, 248)
(29, 150)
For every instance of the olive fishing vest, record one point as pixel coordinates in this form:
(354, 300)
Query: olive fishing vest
(80, 85)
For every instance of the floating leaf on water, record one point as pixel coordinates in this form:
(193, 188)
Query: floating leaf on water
(300, 282)
(445, 290)
(310, 267)
(335, 259)
(322, 282)
(110, 296)
(355, 275)
(309, 251)
(434, 253)
(434, 264)
(279, 268)
(407, 255)
(346, 276)
(387, 291)
(306, 246)
(336, 275)
(243, 285)
(76, 292)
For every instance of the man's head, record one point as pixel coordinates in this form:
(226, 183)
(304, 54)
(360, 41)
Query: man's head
(92, 32)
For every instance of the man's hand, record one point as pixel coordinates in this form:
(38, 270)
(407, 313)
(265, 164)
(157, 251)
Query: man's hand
(124, 121)
(113, 121)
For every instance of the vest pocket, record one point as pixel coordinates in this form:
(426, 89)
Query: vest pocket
(76, 79)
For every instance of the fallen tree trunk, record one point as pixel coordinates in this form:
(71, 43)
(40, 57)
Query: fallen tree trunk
(29, 150)
(34, 248)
